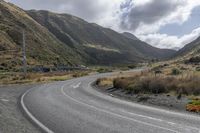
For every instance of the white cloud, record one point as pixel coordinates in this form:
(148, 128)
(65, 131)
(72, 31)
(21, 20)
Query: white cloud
(91, 10)
(150, 16)
(137, 15)
(145, 19)
(166, 41)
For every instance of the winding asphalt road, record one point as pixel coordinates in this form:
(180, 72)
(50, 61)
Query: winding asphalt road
(75, 107)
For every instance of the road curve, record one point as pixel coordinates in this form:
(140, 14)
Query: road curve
(75, 107)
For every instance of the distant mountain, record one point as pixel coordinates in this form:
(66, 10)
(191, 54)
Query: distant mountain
(103, 45)
(176, 48)
(62, 39)
(130, 36)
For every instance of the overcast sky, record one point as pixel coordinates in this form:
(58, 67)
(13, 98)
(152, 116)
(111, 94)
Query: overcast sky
(161, 23)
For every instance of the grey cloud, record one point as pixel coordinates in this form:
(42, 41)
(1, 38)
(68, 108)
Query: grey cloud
(148, 13)
(87, 9)
(126, 4)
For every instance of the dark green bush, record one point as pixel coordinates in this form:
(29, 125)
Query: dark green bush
(157, 86)
(132, 66)
(103, 70)
(197, 68)
(134, 88)
(194, 59)
(175, 71)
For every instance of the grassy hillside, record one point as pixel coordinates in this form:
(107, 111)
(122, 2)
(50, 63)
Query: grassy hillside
(60, 39)
(189, 55)
(42, 46)
(149, 50)
(130, 36)
(192, 48)
(105, 46)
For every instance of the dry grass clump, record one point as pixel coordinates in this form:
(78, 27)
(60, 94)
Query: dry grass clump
(104, 70)
(140, 84)
(150, 84)
(104, 82)
(18, 78)
(80, 74)
(108, 82)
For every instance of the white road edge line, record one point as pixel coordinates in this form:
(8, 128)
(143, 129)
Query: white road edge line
(171, 123)
(118, 115)
(42, 126)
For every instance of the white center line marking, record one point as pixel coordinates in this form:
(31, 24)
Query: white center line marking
(76, 86)
(4, 100)
(172, 123)
(148, 117)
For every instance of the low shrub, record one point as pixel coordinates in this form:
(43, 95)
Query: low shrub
(144, 85)
(195, 102)
(103, 70)
(175, 71)
(132, 66)
(157, 72)
(197, 68)
(120, 83)
(134, 88)
(156, 85)
(104, 82)
(143, 99)
(79, 74)
(194, 60)
(193, 106)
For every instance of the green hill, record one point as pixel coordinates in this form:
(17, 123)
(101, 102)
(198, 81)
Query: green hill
(42, 46)
(192, 48)
(62, 39)
(104, 45)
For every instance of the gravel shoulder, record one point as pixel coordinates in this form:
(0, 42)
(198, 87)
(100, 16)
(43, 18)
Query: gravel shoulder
(12, 119)
(164, 101)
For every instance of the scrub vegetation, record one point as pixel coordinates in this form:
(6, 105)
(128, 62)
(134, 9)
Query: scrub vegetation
(19, 78)
(149, 83)
(162, 79)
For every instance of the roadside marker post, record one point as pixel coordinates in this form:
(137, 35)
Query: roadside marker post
(24, 54)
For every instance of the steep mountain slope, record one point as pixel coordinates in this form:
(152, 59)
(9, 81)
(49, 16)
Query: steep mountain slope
(148, 49)
(57, 39)
(42, 46)
(191, 48)
(130, 36)
(104, 45)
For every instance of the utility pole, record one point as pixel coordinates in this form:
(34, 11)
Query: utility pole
(24, 54)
